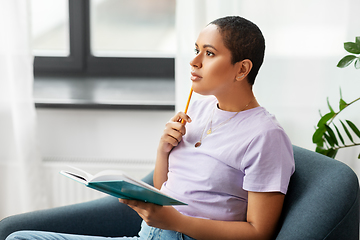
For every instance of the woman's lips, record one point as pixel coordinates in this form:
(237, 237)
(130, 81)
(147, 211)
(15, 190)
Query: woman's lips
(195, 77)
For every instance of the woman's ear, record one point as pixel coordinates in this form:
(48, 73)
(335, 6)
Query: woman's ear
(244, 67)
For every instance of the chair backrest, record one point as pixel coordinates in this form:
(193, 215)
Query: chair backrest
(322, 200)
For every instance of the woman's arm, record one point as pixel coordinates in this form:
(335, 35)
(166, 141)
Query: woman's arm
(172, 135)
(264, 210)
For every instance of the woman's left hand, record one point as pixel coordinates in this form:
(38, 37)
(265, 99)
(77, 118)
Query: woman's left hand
(163, 217)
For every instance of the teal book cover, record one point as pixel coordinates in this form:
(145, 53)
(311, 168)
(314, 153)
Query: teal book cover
(118, 184)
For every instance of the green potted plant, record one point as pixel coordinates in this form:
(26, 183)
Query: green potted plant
(327, 136)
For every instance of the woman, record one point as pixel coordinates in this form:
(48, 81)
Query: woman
(231, 162)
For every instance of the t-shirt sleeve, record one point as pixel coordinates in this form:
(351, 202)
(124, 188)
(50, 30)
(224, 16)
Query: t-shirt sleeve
(268, 163)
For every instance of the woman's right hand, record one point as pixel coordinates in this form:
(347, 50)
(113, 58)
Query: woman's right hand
(173, 132)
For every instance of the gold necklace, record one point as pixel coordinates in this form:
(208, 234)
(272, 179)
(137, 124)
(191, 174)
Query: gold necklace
(211, 130)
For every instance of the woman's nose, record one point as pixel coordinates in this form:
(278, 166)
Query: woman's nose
(195, 62)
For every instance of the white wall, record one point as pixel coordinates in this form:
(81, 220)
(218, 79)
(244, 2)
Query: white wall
(114, 134)
(96, 140)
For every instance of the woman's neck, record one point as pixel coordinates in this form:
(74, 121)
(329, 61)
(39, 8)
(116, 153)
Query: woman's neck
(236, 101)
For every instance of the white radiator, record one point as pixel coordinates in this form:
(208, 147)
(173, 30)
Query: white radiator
(64, 191)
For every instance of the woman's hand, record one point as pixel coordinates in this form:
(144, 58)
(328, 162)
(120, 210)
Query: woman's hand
(163, 217)
(173, 132)
(172, 135)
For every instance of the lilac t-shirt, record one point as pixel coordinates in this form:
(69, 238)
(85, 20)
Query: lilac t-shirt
(250, 152)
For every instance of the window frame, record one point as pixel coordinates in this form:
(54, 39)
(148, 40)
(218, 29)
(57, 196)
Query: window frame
(82, 62)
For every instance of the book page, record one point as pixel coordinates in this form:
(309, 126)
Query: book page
(112, 175)
(116, 175)
(87, 177)
(74, 176)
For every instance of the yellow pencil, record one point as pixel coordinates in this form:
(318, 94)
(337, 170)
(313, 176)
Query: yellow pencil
(188, 101)
(187, 104)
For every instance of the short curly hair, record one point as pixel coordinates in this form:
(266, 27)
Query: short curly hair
(245, 41)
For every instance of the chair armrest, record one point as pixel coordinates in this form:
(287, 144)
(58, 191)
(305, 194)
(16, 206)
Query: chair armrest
(101, 217)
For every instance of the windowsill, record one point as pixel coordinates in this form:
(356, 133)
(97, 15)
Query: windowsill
(104, 93)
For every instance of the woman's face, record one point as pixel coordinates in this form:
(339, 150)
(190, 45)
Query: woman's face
(212, 72)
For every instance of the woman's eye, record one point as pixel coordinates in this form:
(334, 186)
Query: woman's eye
(196, 51)
(208, 53)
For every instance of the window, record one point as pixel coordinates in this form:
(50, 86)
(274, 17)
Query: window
(50, 37)
(105, 37)
(132, 28)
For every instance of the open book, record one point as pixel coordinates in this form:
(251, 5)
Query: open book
(118, 184)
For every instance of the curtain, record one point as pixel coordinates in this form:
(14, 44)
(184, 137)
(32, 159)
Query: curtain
(304, 42)
(20, 162)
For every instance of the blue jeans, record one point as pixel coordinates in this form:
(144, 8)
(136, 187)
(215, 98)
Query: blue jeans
(146, 233)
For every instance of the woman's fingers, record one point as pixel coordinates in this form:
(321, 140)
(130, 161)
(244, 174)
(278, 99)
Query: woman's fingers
(173, 132)
(181, 116)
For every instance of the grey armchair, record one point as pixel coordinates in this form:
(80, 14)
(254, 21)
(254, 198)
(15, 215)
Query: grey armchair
(322, 203)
